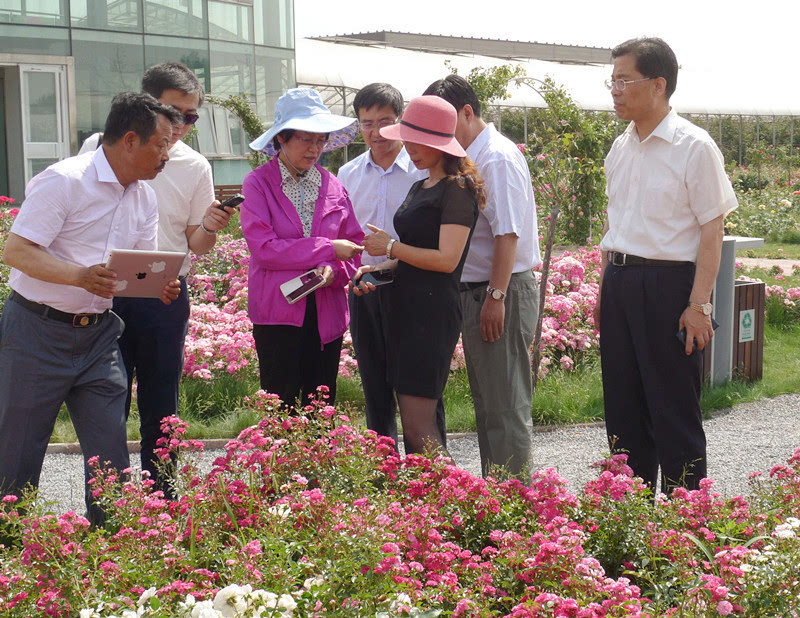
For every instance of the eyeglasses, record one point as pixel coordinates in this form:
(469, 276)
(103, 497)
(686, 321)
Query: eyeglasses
(319, 142)
(190, 118)
(369, 124)
(620, 84)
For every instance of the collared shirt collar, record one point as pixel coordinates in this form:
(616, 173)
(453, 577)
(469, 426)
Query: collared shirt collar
(105, 173)
(480, 142)
(402, 161)
(665, 129)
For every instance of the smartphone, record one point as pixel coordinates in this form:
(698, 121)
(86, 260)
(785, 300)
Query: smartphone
(377, 277)
(681, 334)
(233, 202)
(301, 286)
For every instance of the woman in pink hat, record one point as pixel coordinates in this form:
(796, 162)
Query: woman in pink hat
(434, 225)
(297, 217)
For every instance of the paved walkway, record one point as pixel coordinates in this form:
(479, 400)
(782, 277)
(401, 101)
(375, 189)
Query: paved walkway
(786, 265)
(751, 437)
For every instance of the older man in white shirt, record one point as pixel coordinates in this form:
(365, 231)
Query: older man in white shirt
(499, 294)
(58, 337)
(188, 221)
(667, 196)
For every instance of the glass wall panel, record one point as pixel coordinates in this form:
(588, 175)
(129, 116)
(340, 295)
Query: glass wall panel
(230, 22)
(230, 171)
(106, 63)
(274, 22)
(177, 17)
(191, 52)
(36, 12)
(42, 116)
(231, 69)
(107, 14)
(275, 74)
(34, 40)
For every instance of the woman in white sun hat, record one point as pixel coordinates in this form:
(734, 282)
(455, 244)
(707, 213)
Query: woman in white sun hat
(434, 225)
(297, 217)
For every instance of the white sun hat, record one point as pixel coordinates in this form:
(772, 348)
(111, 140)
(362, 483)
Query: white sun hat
(302, 109)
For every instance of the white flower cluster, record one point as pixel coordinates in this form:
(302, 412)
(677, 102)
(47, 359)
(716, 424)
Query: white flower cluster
(230, 602)
(239, 601)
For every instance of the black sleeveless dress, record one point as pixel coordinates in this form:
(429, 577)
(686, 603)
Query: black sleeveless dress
(424, 313)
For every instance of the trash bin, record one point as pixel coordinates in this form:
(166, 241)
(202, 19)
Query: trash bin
(749, 298)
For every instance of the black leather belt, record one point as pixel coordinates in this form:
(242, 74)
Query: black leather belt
(625, 259)
(471, 285)
(78, 320)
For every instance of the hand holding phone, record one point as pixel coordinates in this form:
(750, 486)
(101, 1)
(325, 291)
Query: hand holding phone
(376, 277)
(233, 202)
(681, 334)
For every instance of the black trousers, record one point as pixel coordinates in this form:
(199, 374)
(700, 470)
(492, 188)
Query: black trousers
(293, 362)
(368, 315)
(152, 348)
(651, 388)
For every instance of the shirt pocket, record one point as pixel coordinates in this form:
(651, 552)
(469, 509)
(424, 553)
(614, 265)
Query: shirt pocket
(661, 198)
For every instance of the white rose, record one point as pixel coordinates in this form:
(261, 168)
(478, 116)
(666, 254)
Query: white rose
(205, 609)
(146, 596)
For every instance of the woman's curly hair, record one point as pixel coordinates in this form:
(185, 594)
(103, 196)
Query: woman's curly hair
(465, 173)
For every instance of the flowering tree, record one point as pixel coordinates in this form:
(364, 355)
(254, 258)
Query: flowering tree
(565, 155)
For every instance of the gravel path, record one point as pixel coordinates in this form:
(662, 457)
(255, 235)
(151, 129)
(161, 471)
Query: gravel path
(752, 437)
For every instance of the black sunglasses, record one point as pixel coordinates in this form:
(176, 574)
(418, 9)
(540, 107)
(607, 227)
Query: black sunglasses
(190, 118)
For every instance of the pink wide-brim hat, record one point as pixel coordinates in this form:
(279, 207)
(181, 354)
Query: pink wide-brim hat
(428, 120)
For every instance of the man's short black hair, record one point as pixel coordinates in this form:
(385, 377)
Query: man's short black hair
(172, 76)
(456, 90)
(137, 112)
(381, 95)
(654, 58)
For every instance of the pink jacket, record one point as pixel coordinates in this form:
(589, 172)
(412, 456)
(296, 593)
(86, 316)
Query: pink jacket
(279, 252)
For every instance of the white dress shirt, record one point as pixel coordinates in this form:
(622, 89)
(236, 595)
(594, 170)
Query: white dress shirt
(185, 189)
(376, 193)
(510, 206)
(661, 190)
(77, 211)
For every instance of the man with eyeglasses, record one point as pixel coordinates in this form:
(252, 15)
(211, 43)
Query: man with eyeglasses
(378, 182)
(188, 220)
(667, 196)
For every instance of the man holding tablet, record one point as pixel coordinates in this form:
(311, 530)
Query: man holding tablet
(58, 337)
(188, 220)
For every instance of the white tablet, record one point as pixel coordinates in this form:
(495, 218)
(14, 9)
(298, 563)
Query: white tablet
(143, 274)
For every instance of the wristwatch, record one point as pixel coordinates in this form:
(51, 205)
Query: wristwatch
(495, 293)
(704, 308)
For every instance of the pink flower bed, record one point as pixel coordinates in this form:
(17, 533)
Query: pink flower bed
(219, 326)
(307, 516)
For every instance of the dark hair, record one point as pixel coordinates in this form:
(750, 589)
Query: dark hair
(172, 76)
(456, 90)
(464, 172)
(286, 134)
(378, 94)
(137, 112)
(654, 58)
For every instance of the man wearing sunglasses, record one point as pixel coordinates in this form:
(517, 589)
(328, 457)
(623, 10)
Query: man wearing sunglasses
(188, 220)
(667, 196)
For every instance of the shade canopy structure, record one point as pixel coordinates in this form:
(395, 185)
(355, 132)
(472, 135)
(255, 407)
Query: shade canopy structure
(344, 69)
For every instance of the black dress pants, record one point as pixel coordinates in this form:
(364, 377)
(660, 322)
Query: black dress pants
(651, 388)
(293, 362)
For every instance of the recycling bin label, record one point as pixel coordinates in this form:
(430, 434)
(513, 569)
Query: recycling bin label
(747, 323)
